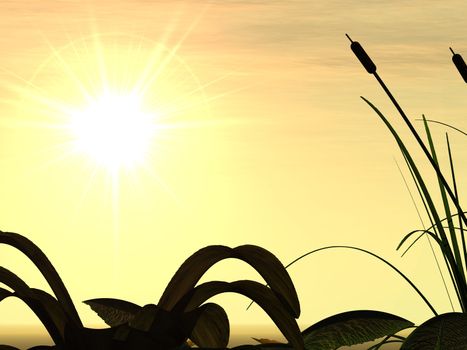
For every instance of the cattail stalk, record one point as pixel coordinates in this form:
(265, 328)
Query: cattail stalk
(460, 64)
(371, 68)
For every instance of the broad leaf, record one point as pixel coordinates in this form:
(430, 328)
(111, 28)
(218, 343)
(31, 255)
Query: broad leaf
(190, 272)
(273, 272)
(269, 267)
(350, 328)
(212, 329)
(114, 312)
(260, 294)
(444, 332)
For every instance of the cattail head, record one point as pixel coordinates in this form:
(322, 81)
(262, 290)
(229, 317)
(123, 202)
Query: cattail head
(362, 56)
(460, 64)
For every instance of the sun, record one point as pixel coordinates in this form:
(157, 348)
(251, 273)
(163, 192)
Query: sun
(114, 130)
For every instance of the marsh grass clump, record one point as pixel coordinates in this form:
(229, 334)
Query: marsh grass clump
(447, 230)
(448, 223)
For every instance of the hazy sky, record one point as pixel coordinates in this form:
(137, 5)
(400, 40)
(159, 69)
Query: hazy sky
(276, 147)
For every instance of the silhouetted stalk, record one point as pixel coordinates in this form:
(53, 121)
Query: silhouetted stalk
(424, 234)
(451, 253)
(452, 231)
(460, 64)
(376, 256)
(458, 281)
(445, 124)
(422, 145)
(372, 254)
(461, 228)
(371, 68)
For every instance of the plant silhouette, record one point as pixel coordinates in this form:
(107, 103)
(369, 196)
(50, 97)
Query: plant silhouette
(181, 312)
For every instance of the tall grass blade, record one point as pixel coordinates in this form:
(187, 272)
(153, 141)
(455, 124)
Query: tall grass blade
(421, 144)
(420, 193)
(454, 182)
(431, 234)
(445, 124)
(447, 209)
(433, 226)
(44, 265)
(410, 194)
(458, 281)
(377, 257)
(423, 233)
(435, 231)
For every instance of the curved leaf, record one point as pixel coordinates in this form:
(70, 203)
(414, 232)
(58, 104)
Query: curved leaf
(212, 329)
(34, 301)
(441, 244)
(114, 312)
(350, 328)
(45, 267)
(54, 309)
(273, 272)
(4, 293)
(444, 332)
(260, 294)
(190, 272)
(269, 267)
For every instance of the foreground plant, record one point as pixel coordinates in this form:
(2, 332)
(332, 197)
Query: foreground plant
(446, 331)
(181, 312)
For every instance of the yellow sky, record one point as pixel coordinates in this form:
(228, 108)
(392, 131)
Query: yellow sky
(280, 151)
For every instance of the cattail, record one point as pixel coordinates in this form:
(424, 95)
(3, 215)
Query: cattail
(460, 64)
(362, 56)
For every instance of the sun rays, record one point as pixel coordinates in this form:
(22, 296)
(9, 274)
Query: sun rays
(112, 105)
(114, 131)
(106, 95)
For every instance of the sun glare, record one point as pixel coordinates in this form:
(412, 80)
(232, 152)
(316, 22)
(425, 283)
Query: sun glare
(114, 130)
